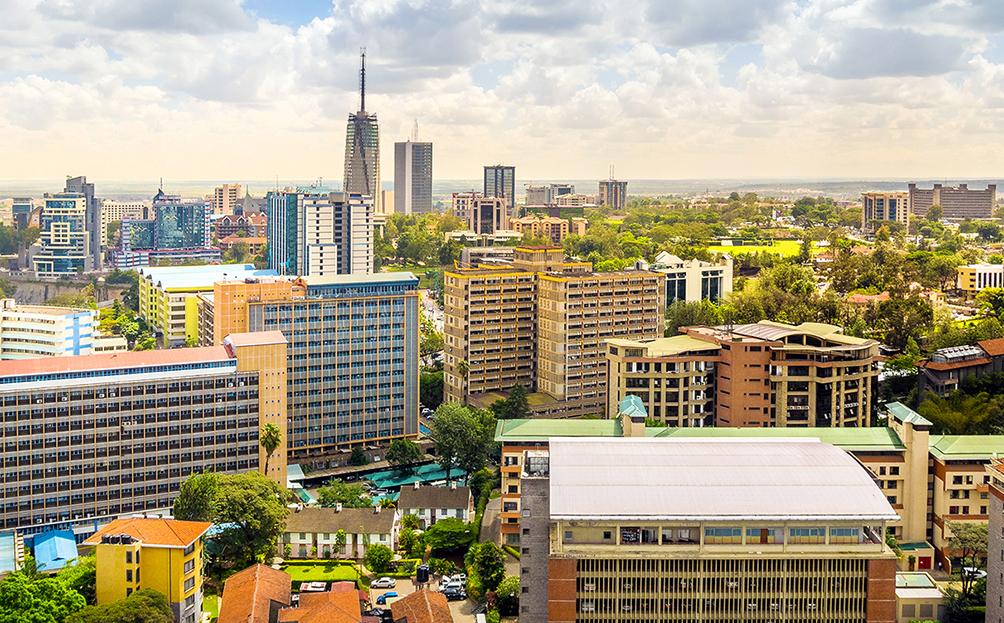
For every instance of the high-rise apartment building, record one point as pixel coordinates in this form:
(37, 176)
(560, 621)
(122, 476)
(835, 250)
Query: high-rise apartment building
(612, 193)
(30, 331)
(631, 529)
(92, 220)
(547, 194)
(541, 323)
(21, 210)
(92, 437)
(64, 238)
(881, 207)
(551, 227)
(956, 202)
(500, 181)
(412, 178)
(694, 280)
(320, 233)
(362, 149)
(226, 199)
(113, 211)
(482, 214)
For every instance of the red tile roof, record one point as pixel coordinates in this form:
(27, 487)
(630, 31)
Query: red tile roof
(994, 348)
(113, 361)
(248, 595)
(422, 607)
(154, 531)
(335, 606)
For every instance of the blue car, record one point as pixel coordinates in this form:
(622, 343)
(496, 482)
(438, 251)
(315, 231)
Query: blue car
(382, 599)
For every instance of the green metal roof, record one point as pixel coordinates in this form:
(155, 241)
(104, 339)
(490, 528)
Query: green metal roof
(914, 579)
(966, 447)
(906, 415)
(852, 439)
(633, 407)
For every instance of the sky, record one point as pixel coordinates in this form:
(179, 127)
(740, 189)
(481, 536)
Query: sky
(662, 89)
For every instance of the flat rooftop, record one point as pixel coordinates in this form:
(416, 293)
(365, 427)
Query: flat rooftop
(668, 346)
(338, 280)
(113, 361)
(712, 480)
(204, 276)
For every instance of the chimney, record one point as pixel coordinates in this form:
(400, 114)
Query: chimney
(376, 509)
(453, 485)
(338, 507)
(417, 484)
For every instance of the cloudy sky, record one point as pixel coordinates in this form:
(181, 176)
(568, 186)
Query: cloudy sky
(253, 89)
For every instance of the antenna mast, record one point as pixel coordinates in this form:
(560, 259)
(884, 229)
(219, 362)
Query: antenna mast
(414, 132)
(362, 79)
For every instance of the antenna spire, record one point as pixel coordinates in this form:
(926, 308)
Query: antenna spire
(414, 132)
(362, 79)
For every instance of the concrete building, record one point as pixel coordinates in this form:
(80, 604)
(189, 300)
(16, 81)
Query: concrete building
(362, 150)
(312, 532)
(64, 239)
(473, 257)
(500, 182)
(226, 199)
(252, 224)
(164, 555)
(430, 504)
(573, 200)
(956, 202)
(541, 323)
(30, 331)
(554, 229)
(93, 437)
(113, 211)
(880, 207)
(974, 278)
(995, 541)
(92, 220)
(412, 178)
(483, 214)
(168, 296)
(21, 209)
(612, 193)
(944, 371)
(320, 233)
(178, 231)
(618, 529)
(694, 280)
(918, 597)
(546, 194)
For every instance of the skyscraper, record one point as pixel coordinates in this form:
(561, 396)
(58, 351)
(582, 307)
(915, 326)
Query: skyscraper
(613, 194)
(362, 147)
(226, 199)
(500, 181)
(92, 221)
(412, 177)
(64, 236)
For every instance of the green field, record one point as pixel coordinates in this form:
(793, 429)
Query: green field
(211, 605)
(321, 571)
(784, 248)
(424, 281)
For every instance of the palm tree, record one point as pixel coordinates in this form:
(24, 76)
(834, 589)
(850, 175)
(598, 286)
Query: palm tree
(271, 439)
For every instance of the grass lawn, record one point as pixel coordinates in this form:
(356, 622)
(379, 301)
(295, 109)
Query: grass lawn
(419, 271)
(211, 605)
(321, 571)
(784, 248)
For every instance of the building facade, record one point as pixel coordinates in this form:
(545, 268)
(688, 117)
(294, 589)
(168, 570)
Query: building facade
(881, 207)
(500, 182)
(30, 331)
(612, 193)
(483, 214)
(92, 219)
(412, 178)
(957, 202)
(65, 241)
(554, 229)
(251, 224)
(21, 209)
(973, 278)
(995, 542)
(944, 371)
(362, 149)
(430, 504)
(312, 532)
(226, 199)
(113, 211)
(89, 438)
(694, 280)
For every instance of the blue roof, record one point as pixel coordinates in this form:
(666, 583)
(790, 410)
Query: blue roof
(633, 407)
(201, 276)
(7, 562)
(55, 549)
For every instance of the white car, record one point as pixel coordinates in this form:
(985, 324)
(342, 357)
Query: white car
(974, 573)
(383, 583)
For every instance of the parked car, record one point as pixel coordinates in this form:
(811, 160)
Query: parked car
(455, 594)
(382, 599)
(460, 577)
(447, 586)
(973, 572)
(383, 583)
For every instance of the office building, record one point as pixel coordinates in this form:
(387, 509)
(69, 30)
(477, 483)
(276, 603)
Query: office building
(612, 193)
(64, 239)
(30, 331)
(547, 194)
(629, 529)
(246, 224)
(93, 437)
(113, 211)
(483, 214)
(694, 280)
(944, 371)
(92, 221)
(362, 149)
(500, 182)
(320, 233)
(412, 177)
(21, 209)
(956, 202)
(473, 257)
(177, 231)
(881, 207)
(164, 555)
(168, 296)
(974, 278)
(226, 199)
(541, 322)
(353, 346)
(554, 229)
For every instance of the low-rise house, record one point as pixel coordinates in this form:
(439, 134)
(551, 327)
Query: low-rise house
(918, 597)
(431, 504)
(422, 607)
(255, 595)
(315, 532)
(947, 368)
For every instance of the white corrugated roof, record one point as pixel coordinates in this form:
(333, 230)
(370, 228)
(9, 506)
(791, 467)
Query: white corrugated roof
(736, 478)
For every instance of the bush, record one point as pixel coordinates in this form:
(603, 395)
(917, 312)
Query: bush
(493, 616)
(378, 558)
(441, 566)
(508, 596)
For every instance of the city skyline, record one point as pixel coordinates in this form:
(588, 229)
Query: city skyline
(692, 90)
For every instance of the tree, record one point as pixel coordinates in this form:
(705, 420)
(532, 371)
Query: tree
(969, 541)
(196, 497)
(508, 596)
(935, 213)
(143, 606)
(378, 557)
(449, 534)
(682, 313)
(271, 439)
(514, 406)
(991, 302)
(358, 457)
(349, 495)
(81, 576)
(464, 437)
(431, 388)
(489, 561)
(403, 452)
(37, 599)
(340, 539)
(962, 414)
(482, 482)
(408, 541)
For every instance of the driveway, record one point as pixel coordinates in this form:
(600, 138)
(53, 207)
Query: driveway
(490, 522)
(404, 587)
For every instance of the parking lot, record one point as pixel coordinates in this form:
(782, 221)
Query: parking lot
(462, 611)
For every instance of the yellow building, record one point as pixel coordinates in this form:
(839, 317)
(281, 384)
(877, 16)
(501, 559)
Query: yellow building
(973, 278)
(168, 296)
(164, 555)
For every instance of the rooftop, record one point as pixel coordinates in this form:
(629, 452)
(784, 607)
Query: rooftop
(337, 280)
(994, 348)
(248, 594)
(906, 415)
(203, 276)
(422, 607)
(154, 531)
(633, 407)
(434, 497)
(314, 519)
(111, 361)
(55, 549)
(775, 331)
(966, 447)
(667, 346)
(734, 479)
(916, 585)
(255, 338)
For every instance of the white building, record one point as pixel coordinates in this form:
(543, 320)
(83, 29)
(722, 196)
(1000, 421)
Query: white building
(320, 234)
(31, 331)
(694, 280)
(114, 211)
(313, 532)
(430, 504)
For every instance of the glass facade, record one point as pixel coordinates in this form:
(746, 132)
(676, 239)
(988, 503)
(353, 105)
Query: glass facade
(181, 226)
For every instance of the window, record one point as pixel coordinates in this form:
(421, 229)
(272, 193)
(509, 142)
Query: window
(806, 535)
(680, 536)
(630, 535)
(189, 566)
(128, 557)
(568, 535)
(894, 471)
(765, 536)
(607, 535)
(845, 535)
(719, 536)
(189, 584)
(128, 575)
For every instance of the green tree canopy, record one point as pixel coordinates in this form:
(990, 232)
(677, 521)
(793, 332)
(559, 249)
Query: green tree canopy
(403, 452)
(33, 598)
(514, 406)
(507, 594)
(270, 439)
(969, 540)
(143, 606)
(349, 495)
(378, 557)
(81, 576)
(464, 437)
(449, 534)
(489, 561)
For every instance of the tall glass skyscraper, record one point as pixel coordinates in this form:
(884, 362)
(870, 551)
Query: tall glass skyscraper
(362, 148)
(412, 177)
(500, 181)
